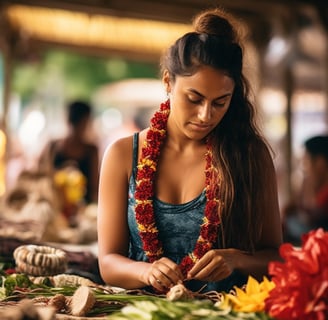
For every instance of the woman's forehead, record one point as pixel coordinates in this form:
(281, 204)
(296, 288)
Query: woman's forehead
(207, 79)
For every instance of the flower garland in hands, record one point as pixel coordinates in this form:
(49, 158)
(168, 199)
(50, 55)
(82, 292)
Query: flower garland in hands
(144, 194)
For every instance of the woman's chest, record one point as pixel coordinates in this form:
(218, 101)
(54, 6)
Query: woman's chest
(180, 180)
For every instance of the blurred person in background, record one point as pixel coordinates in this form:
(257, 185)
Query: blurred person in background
(74, 160)
(310, 209)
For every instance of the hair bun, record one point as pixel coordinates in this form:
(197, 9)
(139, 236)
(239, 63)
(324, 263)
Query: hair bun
(216, 22)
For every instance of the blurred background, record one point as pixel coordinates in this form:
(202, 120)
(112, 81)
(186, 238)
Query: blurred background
(107, 53)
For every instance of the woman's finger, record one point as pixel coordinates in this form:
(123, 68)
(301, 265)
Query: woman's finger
(211, 267)
(164, 274)
(167, 272)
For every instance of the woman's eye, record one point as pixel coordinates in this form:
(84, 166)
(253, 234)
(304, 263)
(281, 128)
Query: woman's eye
(195, 101)
(219, 104)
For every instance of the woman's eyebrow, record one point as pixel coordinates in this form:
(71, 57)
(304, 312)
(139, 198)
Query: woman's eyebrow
(218, 98)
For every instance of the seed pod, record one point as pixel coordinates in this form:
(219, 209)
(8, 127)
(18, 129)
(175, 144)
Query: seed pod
(82, 301)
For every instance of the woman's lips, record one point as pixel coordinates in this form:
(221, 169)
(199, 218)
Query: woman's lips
(201, 126)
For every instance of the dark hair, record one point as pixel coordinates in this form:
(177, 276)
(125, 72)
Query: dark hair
(77, 111)
(238, 144)
(317, 146)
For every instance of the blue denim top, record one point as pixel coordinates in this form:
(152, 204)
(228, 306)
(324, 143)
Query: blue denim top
(178, 225)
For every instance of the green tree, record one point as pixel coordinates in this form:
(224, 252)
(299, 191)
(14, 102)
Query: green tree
(72, 75)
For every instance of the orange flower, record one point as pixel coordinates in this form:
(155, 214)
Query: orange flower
(252, 299)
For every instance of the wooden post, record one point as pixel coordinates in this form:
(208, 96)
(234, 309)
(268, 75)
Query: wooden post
(289, 84)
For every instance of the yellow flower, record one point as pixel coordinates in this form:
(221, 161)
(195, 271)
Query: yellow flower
(251, 299)
(74, 195)
(60, 178)
(149, 228)
(75, 178)
(147, 162)
(72, 183)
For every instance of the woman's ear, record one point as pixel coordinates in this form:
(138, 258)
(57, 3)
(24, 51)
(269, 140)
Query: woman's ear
(166, 81)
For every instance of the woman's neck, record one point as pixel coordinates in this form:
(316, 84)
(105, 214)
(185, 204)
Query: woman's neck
(176, 140)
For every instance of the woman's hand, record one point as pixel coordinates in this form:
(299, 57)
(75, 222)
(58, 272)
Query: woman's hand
(214, 266)
(163, 274)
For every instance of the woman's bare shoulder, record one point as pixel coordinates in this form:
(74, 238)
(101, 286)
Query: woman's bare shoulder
(121, 148)
(119, 154)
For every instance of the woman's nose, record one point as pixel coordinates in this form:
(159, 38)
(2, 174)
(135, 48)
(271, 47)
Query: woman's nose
(204, 112)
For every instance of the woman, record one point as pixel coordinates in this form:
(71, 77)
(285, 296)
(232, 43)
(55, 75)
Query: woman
(201, 205)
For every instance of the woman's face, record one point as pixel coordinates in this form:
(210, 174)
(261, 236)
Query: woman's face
(199, 102)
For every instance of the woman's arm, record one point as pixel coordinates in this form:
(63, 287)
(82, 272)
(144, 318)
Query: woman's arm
(113, 234)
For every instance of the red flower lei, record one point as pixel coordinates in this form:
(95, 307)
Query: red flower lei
(144, 193)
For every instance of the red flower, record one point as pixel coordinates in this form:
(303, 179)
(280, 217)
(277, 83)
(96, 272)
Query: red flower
(210, 193)
(145, 172)
(10, 271)
(154, 138)
(144, 214)
(150, 240)
(186, 265)
(301, 282)
(201, 248)
(209, 232)
(160, 118)
(212, 212)
(144, 190)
